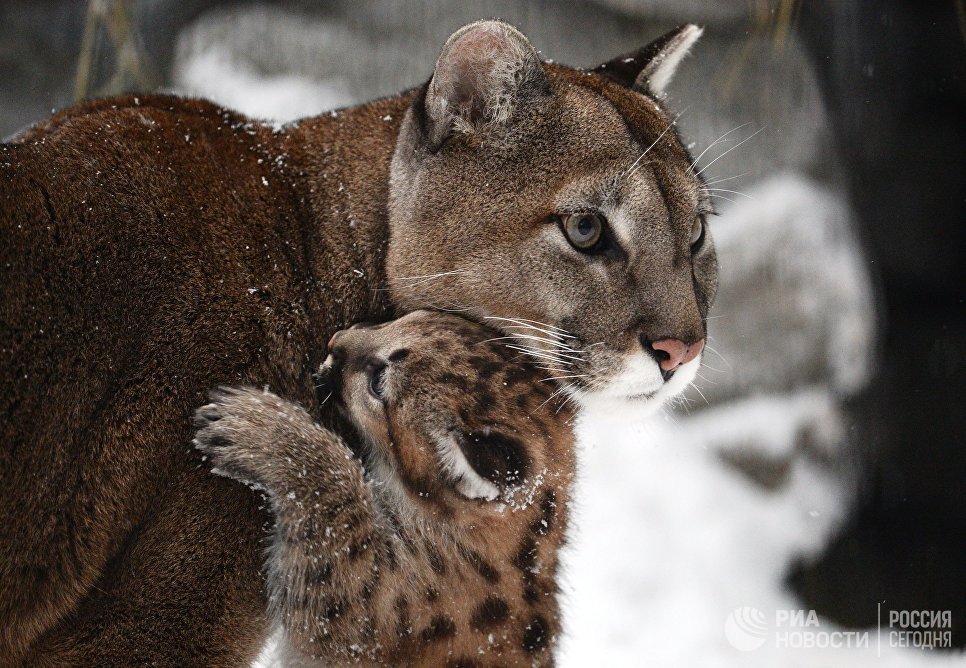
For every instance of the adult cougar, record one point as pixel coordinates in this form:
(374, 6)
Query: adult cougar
(155, 247)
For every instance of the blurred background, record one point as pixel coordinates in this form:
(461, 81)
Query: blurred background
(820, 463)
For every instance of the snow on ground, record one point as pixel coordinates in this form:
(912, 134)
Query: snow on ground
(685, 525)
(668, 541)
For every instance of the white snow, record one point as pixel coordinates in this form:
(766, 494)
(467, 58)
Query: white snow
(235, 84)
(667, 541)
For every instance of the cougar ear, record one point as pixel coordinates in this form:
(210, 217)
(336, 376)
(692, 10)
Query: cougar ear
(651, 68)
(484, 71)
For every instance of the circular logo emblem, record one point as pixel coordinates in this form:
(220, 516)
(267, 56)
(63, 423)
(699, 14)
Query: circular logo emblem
(746, 628)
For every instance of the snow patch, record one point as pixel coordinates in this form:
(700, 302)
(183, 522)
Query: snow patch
(667, 540)
(218, 76)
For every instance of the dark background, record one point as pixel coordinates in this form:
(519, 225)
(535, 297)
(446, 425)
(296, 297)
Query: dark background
(892, 74)
(902, 135)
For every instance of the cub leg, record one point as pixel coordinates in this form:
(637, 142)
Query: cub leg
(323, 564)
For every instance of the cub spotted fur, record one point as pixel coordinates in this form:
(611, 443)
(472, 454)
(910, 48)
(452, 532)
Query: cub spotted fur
(446, 552)
(153, 247)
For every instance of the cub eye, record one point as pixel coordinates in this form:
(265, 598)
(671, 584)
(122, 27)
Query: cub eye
(697, 233)
(377, 381)
(583, 230)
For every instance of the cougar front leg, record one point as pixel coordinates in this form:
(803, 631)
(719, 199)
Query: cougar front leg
(323, 562)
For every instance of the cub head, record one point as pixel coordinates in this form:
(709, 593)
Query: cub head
(560, 206)
(445, 410)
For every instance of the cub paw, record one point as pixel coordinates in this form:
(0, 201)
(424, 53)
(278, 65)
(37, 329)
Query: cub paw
(235, 431)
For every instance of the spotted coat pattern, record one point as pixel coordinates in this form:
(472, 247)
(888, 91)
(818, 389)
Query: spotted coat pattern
(390, 563)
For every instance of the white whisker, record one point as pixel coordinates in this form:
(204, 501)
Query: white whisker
(560, 389)
(539, 354)
(556, 353)
(418, 280)
(725, 190)
(421, 280)
(698, 375)
(522, 322)
(710, 349)
(438, 275)
(727, 178)
(753, 135)
(698, 390)
(634, 165)
(711, 145)
(579, 375)
(556, 344)
(570, 399)
(705, 365)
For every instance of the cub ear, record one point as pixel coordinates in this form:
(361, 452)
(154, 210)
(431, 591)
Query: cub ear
(485, 70)
(481, 463)
(651, 68)
(500, 458)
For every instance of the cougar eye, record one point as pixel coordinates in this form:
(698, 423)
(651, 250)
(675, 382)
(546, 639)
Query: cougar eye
(583, 230)
(697, 233)
(377, 381)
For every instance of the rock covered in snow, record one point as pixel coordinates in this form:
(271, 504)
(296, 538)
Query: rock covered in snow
(794, 304)
(234, 58)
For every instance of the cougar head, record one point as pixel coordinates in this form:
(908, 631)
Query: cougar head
(560, 206)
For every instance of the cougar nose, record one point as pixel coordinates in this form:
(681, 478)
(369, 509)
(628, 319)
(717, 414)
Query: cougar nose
(672, 353)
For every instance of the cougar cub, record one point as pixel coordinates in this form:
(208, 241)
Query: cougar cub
(443, 549)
